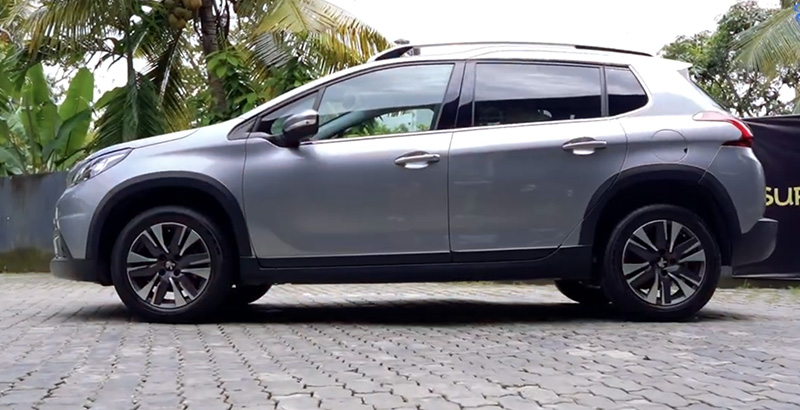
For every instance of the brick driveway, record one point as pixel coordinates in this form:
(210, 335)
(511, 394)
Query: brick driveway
(67, 345)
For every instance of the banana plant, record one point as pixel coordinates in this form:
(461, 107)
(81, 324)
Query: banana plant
(36, 134)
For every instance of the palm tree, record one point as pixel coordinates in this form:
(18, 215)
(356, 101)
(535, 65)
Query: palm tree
(238, 43)
(773, 43)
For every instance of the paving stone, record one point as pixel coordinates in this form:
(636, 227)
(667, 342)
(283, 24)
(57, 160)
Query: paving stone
(390, 347)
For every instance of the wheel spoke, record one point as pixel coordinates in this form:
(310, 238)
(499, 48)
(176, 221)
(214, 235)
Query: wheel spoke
(158, 232)
(694, 255)
(682, 249)
(675, 230)
(652, 294)
(641, 252)
(632, 269)
(188, 286)
(193, 260)
(145, 291)
(686, 274)
(151, 245)
(641, 234)
(666, 289)
(642, 279)
(686, 288)
(143, 272)
(161, 291)
(175, 243)
(661, 235)
(204, 273)
(190, 240)
(134, 257)
(176, 292)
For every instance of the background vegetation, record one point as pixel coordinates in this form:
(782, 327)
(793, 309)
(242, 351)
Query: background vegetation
(190, 63)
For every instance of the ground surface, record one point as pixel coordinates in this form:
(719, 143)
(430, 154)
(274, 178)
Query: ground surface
(67, 345)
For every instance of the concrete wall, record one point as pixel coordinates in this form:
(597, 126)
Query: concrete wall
(27, 207)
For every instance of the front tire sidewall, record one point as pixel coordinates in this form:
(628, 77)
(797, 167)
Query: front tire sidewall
(623, 297)
(219, 282)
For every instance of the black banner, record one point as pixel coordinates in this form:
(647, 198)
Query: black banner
(777, 146)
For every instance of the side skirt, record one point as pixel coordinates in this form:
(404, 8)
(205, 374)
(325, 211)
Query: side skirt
(566, 263)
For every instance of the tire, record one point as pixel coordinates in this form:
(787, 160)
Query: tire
(692, 277)
(245, 295)
(582, 293)
(199, 265)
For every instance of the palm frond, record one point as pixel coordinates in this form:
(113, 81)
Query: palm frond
(165, 73)
(129, 112)
(773, 43)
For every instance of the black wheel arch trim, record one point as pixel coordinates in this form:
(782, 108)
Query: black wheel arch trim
(671, 172)
(193, 180)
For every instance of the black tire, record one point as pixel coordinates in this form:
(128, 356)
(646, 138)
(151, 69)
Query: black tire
(220, 266)
(244, 295)
(582, 293)
(627, 300)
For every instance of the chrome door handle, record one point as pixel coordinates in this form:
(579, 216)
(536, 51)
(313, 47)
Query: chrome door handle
(584, 145)
(417, 159)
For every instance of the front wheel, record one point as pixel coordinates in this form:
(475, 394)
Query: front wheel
(661, 263)
(172, 264)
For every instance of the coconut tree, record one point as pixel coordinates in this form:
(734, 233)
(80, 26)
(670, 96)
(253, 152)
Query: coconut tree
(238, 44)
(772, 44)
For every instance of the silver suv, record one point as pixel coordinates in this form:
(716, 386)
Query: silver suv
(606, 170)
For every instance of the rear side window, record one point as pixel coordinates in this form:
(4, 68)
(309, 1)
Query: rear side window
(625, 93)
(524, 93)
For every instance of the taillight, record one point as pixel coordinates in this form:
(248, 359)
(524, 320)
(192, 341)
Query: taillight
(745, 140)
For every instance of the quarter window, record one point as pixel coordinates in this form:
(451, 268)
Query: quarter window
(625, 94)
(525, 93)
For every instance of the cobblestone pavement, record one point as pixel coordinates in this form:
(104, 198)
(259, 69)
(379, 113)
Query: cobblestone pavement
(66, 345)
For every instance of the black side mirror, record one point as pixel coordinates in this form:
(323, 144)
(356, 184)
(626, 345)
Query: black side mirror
(298, 127)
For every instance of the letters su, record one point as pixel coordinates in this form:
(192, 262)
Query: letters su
(789, 196)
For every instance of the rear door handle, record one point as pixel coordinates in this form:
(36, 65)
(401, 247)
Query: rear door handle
(584, 145)
(417, 160)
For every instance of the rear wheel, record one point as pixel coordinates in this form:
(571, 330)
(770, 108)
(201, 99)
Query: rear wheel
(661, 262)
(585, 294)
(172, 264)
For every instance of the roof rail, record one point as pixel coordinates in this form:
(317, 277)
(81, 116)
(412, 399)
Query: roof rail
(401, 50)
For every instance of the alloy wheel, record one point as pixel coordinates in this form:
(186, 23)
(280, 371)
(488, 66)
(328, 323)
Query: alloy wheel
(664, 263)
(168, 265)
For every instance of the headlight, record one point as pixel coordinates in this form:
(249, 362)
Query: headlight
(90, 169)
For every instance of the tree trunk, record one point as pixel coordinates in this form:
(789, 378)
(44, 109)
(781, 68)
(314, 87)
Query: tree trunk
(209, 39)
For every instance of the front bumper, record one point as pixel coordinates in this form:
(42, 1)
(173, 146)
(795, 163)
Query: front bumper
(757, 244)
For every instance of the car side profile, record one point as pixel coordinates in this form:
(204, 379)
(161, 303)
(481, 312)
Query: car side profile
(606, 170)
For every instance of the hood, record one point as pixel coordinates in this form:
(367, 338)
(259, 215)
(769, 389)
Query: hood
(144, 142)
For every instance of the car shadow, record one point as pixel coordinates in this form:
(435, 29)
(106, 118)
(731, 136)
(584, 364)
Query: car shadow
(432, 312)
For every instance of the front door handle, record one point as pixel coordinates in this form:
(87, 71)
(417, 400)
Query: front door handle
(417, 160)
(584, 145)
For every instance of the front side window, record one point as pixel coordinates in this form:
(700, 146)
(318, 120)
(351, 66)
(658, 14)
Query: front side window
(390, 101)
(525, 93)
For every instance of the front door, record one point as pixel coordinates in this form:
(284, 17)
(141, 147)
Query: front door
(369, 188)
(522, 176)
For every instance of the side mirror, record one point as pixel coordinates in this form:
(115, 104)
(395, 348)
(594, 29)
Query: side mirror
(298, 127)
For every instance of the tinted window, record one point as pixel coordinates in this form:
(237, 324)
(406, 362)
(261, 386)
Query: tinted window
(391, 101)
(625, 94)
(522, 93)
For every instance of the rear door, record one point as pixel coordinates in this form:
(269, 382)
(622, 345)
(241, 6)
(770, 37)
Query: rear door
(540, 146)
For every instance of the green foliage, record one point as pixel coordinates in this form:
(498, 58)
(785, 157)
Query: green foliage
(36, 135)
(715, 69)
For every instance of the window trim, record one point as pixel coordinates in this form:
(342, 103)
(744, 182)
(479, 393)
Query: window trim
(467, 101)
(452, 95)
